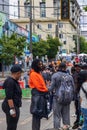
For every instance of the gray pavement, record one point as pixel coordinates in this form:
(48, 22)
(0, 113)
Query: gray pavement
(25, 120)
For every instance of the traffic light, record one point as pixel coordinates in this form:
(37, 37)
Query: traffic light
(65, 13)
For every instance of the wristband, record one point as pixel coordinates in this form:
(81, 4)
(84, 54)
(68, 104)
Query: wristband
(12, 111)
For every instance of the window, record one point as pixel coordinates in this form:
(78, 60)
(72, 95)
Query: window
(26, 27)
(49, 35)
(49, 26)
(65, 9)
(3, 6)
(60, 25)
(39, 36)
(60, 35)
(42, 9)
(39, 26)
(27, 10)
(55, 7)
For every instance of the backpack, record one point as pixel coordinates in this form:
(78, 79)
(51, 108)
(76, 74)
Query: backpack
(65, 92)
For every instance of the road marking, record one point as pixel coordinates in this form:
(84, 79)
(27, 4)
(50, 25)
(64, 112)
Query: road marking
(26, 121)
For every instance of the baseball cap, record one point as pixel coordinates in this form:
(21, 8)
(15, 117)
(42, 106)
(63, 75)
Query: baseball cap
(16, 68)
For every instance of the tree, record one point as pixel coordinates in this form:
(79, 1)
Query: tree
(47, 47)
(83, 45)
(40, 48)
(10, 47)
(54, 44)
(85, 8)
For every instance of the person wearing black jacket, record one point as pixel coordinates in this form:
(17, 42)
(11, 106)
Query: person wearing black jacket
(77, 95)
(12, 102)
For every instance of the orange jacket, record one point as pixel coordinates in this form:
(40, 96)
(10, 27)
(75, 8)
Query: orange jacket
(36, 81)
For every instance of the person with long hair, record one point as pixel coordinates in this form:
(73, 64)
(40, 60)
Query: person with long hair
(39, 89)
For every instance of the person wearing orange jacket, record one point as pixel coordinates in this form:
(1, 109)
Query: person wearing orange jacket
(38, 85)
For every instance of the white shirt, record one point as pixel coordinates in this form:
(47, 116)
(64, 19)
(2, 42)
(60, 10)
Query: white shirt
(83, 96)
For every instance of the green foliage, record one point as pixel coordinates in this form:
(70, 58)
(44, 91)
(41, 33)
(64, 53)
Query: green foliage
(47, 47)
(53, 43)
(83, 45)
(11, 46)
(40, 48)
(85, 8)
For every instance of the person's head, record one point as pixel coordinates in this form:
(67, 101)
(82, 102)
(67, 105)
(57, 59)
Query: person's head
(16, 71)
(37, 65)
(77, 67)
(84, 67)
(62, 66)
(73, 70)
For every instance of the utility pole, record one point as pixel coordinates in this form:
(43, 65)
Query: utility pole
(33, 18)
(57, 26)
(31, 27)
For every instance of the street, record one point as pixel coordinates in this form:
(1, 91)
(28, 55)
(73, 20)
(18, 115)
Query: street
(25, 120)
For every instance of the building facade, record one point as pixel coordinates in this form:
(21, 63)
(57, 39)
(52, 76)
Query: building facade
(48, 19)
(4, 8)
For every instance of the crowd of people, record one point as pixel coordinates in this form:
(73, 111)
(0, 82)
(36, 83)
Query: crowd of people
(54, 86)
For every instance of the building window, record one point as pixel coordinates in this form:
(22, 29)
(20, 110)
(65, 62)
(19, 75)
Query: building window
(26, 27)
(3, 5)
(60, 35)
(27, 9)
(39, 36)
(49, 35)
(49, 26)
(55, 7)
(42, 9)
(60, 25)
(39, 26)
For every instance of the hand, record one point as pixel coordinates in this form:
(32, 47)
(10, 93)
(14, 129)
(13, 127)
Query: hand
(47, 83)
(13, 112)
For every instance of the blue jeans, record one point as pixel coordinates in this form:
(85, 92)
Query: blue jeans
(84, 112)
